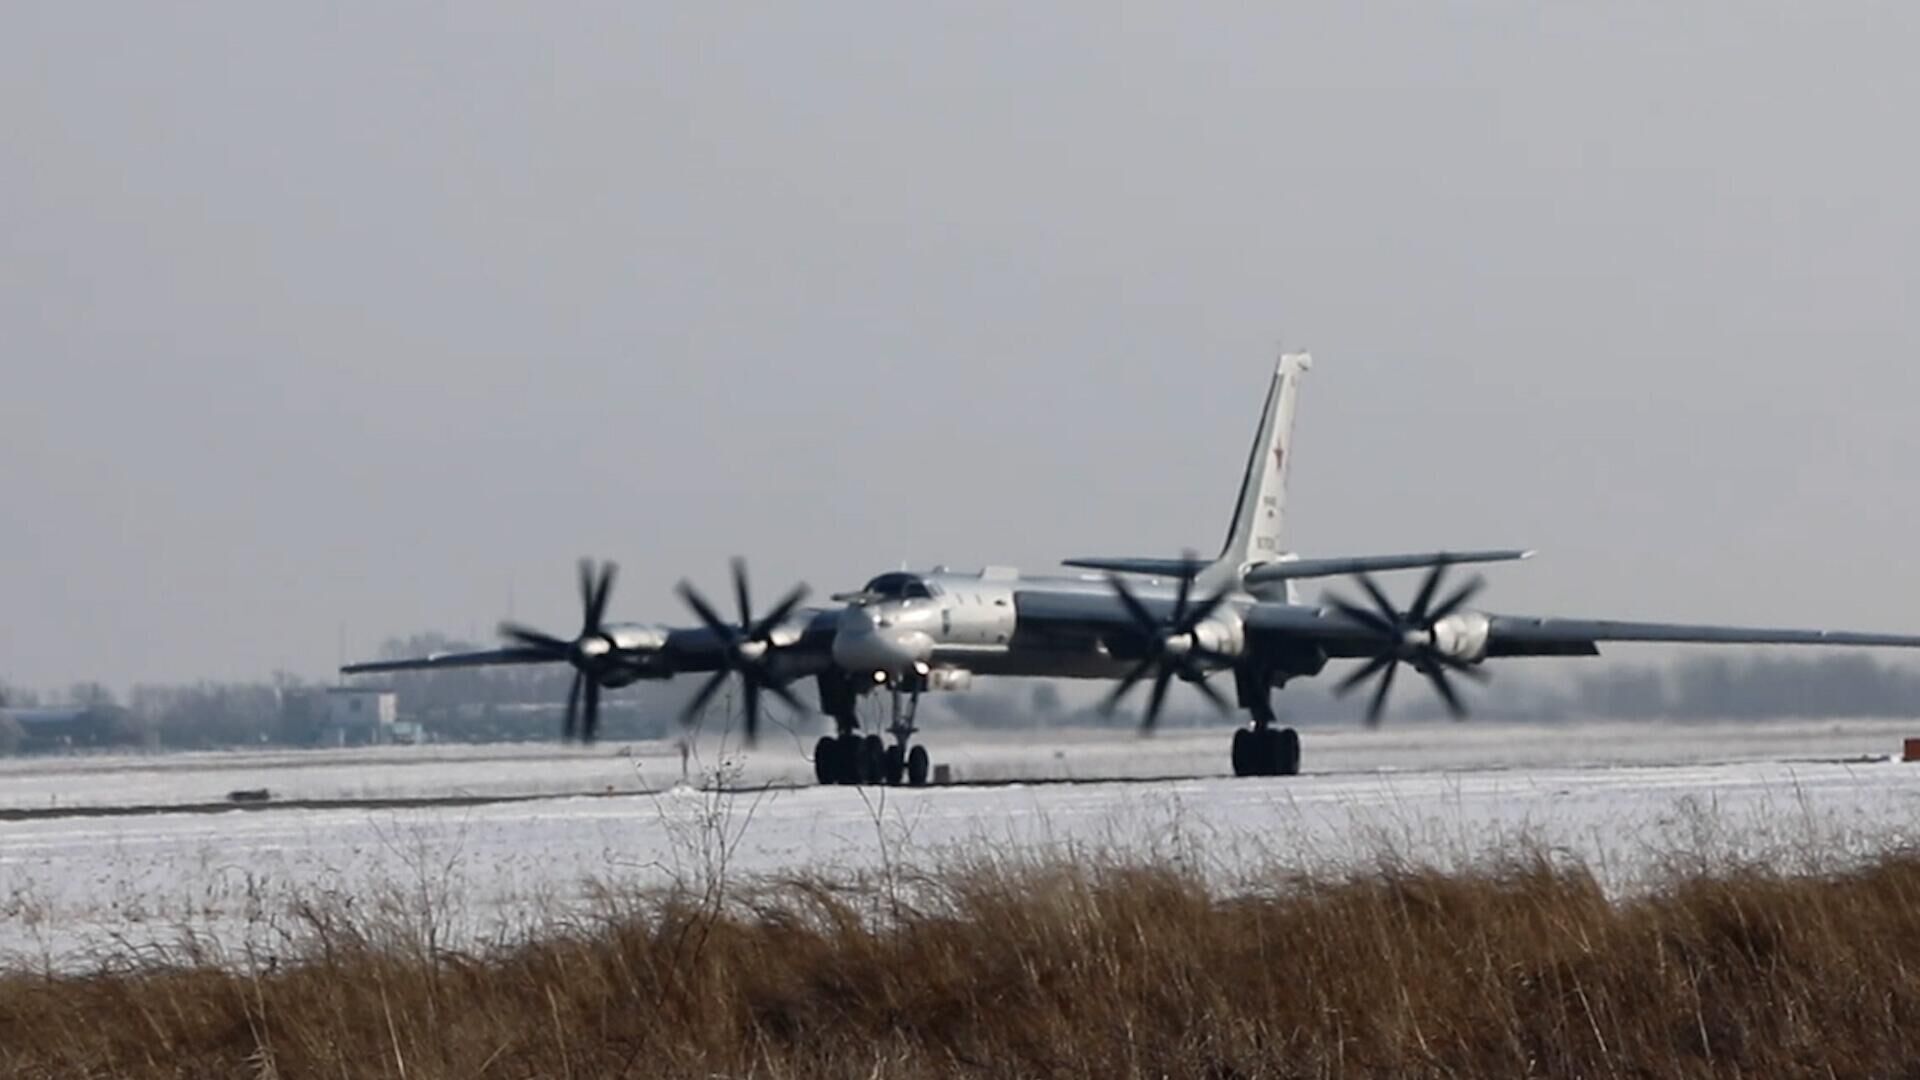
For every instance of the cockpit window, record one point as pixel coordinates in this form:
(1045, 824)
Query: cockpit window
(898, 586)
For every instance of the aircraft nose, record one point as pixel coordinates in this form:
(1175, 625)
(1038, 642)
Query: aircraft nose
(871, 641)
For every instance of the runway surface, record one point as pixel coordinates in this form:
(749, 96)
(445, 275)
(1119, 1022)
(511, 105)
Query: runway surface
(77, 887)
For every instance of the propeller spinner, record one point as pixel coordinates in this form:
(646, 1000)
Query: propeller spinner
(750, 648)
(592, 653)
(1409, 638)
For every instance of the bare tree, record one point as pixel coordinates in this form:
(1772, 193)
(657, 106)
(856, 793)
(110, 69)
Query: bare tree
(90, 694)
(14, 697)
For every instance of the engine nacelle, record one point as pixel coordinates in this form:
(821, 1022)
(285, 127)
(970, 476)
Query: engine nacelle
(1463, 636)
(1221, 634)
(637, 638)
(640, 649)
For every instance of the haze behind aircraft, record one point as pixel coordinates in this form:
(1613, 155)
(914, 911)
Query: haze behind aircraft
(1134, 619)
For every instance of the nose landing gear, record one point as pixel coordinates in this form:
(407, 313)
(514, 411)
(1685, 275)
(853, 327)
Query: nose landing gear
(908, 766)
(851, 758)
(913, 762)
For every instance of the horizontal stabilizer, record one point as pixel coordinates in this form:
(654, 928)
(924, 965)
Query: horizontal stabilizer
(1294, 569)
(1171, 568)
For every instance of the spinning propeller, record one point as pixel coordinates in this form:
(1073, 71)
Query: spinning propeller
(1409, 638)
(1172, 648)
(592, 654)
(749, 650)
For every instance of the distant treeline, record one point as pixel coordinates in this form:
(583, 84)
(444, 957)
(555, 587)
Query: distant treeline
(1713, 687)
(523, 702)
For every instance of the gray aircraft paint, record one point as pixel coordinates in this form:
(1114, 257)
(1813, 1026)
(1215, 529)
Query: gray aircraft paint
(1259, 530)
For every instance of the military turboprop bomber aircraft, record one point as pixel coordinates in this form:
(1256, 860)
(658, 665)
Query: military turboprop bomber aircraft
(1152, 620)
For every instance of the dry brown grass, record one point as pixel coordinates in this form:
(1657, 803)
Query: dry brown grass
(1063, 970)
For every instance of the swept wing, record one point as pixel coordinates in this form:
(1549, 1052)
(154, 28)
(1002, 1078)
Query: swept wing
(1507, 635)
(1298, 569)
(439, 661)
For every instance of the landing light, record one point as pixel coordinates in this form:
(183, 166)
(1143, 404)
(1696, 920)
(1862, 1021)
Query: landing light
(879, 676)
(920, 667)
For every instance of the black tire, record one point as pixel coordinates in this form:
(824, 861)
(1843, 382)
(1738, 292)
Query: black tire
(918, 766)
(1243, 753)
(846, 759)
(1276, 752)
(826, 760)
(1264, 752)
(896, 765)
(846, 767)
(1289, 756)
(873, 760)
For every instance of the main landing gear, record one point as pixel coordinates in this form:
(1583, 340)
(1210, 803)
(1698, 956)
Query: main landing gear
(1266, 751)
(1262, 748)
(851, 758)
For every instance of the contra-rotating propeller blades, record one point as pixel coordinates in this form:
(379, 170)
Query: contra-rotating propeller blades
(749, 648)
(1172, 648)
(592, 653)
(1409, 637)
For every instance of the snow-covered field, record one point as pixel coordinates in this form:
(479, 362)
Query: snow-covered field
(501, 771)
(1625, 799)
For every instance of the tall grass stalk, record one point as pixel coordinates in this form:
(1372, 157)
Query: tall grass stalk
(1003, 963)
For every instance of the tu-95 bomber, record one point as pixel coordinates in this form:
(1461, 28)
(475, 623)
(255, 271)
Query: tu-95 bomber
(1238, 617)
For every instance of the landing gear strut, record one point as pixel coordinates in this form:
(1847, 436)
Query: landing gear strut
(847, 757)
(903, 762)
(1263, 748)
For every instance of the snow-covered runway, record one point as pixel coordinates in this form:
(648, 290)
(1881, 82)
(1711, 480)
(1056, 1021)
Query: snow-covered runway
(74, 887)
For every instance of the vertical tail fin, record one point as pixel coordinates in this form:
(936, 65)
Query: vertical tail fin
(1258, 533)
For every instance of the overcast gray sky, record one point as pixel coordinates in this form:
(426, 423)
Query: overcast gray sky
(365, 315)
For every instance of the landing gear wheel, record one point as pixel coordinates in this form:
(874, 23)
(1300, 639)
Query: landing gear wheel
(896, 765)
(826, 760)
(917, 766)
(872, 758)
(1266, 752)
